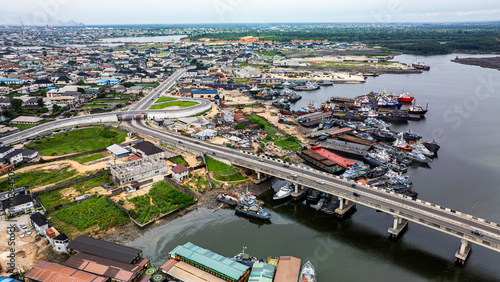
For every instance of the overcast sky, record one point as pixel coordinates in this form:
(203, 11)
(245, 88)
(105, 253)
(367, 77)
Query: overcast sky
(95, 12)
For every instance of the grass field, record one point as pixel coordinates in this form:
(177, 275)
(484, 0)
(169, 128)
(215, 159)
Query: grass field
(87, 158)
(180, 104)
(290, 143)
(27, 126)
(39, 177)
(162, 198)
(53, 198)
(222, 171)
(94, 212)
(80, 140)
(165, 99)
(180, 160)
(260, 123)
(109, 101)
(94, 106)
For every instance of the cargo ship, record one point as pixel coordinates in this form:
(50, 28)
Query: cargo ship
(420, 66)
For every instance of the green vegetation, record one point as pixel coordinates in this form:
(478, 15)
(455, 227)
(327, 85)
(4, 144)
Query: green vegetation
(179, 160)
(165, 99)
(55, 197)
(163, 54)
(39, 177)
(94, 211)
(94, 106)
(269, 53)
(198, 181)
(286, 159)
(180, 104)
(87, 158)
(222, 171)
(260, 123)
(240, 126)
(27, 126)
(290, 143)
(76, 141)
(161, 199)
(413, 38)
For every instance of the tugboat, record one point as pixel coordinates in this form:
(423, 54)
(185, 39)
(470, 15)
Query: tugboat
(405, 98)
(307, 274)
(400, 143)
(418, 110)
(245, 258)
(384, 135)
(419, 147)
(228, 199)
(255, 211)
(418, 157)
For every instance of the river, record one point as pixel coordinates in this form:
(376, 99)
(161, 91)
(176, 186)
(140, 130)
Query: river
(463, 117)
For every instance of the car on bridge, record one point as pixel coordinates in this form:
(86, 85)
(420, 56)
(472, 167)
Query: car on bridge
(477, 232)
(320, 182)
(356, 194)
(260, 160)
(285, 165)
(293, 175)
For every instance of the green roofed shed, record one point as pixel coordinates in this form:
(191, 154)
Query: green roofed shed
(210, 261)
(262, 272)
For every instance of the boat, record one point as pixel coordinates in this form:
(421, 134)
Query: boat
(419, 147)
(377, 172)
(273, 261)
(313, 195)
(384, 135)
(245, 258)
(284, 192)
(395, 116)
(400, 143)
(255, 211)
(319, 204)
(372, 161)
(307, 273)
(417, 110)
(326, 83)
(418, 157)
(330, 205)
(228, 199)
(307, 87)
(411, 136)
(397, 167)
(431, 145)
(420, 66)
(254, 90)
(355, 171)
(405, 98)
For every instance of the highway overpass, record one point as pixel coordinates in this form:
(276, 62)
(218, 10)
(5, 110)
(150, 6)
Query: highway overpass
(404, 209)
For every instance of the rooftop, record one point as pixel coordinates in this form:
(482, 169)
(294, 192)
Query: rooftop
(104, 249)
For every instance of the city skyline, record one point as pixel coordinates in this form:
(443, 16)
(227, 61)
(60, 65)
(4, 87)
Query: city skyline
(63, 12)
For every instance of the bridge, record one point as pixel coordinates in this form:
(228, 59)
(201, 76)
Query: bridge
(404, 209)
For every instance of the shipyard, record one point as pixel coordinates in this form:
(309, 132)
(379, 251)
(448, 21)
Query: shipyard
(216, 141)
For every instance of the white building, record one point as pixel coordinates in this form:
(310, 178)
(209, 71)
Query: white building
(139, 169)
(18, 204)
(39, 222)
(180, 172)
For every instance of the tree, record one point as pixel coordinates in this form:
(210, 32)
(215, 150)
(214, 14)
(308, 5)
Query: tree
(81, 90)
(16, 103)
(80, 82)
(40, 102)
(239, 126)
(56, 108)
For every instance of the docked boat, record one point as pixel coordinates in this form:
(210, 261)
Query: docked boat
(326, 83)
(419, 147)
(313, 196)
(384, 135)
(355, 171)
(418, 157)
(372, 161)
(255, 211)
(395, 116)
(228, 199)
(284, 192)
(377, 172)
(245, 258)
(400, 143)
(417, 110)
(411, 136)
(307, 273)
(405, 98)
(431, 145)
(307, 87)
(330, 205)
(420, 66)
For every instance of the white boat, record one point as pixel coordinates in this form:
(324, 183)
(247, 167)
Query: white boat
(307, 273)
(284, 192)
(419, 147)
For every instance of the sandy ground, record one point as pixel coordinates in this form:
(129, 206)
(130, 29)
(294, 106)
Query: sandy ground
(28, 251)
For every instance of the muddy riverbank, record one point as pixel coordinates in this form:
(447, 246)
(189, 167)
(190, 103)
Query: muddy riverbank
(490, 62)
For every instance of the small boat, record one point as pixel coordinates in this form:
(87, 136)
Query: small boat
(256, 212)
(420, 66)
(245, 258)
(307, 273)
(284, 192)
(400, 143)
(273, 261)
(227, 199)
(418, 157)
(326, 83)
(313, 195)
(431, 145)
(411, 136)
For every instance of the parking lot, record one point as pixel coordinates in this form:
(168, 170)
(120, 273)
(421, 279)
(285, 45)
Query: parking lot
(25, 245)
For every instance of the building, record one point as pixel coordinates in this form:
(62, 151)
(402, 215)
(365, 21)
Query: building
(113, 269)
(104, 249)
(57, 239)
(118, 151)
(206, 134)
(184, 272)
(26, 120)
(227, 115)
(6, 130)
(139, 169)
(262, 272)
(9, 81)
(147, 149)
(208, 94)
(180, 172)
(4, 168)
(215, 264)
(39, 222)
(51, 272)
(15, 156)
(18, 204)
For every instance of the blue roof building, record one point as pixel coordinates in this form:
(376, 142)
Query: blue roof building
(113, 81)
(11, 80)
(211, 262)
(103, 82)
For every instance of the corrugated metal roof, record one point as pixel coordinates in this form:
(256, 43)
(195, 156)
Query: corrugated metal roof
(262, 272)
(51, 272)
(104, 249)
(288, 269)
(186, 272)
(211, 260)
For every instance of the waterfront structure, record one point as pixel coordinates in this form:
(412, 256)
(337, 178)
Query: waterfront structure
(104, 249)
(139, 169)
(50, 272)
(262, 272)
(211, 262)
(184, 272)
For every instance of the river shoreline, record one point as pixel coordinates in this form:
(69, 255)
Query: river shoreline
(489, 62)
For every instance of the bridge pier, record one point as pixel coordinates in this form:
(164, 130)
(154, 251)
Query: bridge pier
(344, 207)
(463, 252)
(258, 175)
(397, 227)
(298, 192)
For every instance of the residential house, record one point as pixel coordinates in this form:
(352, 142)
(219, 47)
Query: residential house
(39, 222)
(18, 204)
(118, 151)
(180, 172)
(206, 134)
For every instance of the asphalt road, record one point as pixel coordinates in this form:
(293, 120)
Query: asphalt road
(369, 196)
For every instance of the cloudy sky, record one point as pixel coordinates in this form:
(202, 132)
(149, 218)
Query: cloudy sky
(96, 12)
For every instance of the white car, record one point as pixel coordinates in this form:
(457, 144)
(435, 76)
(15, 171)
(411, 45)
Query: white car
(320, 182)
(21, 234)
(28, 232)
(23, 226)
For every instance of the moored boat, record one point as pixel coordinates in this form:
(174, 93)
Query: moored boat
(228, 199)
(308, 273)
(255, 211)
